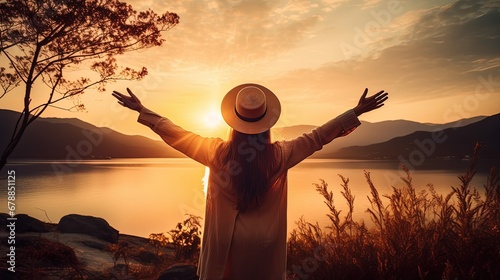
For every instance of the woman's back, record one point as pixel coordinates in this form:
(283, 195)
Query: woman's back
(244, 234)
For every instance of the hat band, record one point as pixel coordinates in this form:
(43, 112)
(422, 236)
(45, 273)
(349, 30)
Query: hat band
(250, 119)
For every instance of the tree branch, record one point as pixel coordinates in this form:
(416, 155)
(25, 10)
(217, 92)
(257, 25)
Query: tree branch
(35, 116)
(13, 64)
(43, 39)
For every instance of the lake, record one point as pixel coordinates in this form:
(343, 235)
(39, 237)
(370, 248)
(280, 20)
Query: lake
(143, 196)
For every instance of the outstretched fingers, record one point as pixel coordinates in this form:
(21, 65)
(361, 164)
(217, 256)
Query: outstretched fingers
(370, 103)
(117, 94)
(133, 96)
(121, 98)
(380, 99)
(131, 102)
(379, 94)
(377, 100)
(363, 96)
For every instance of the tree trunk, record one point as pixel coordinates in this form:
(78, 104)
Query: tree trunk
(3, 162)
(11, 146)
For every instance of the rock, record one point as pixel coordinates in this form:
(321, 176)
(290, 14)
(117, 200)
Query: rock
(95, 245)
(89, 225)
(26, 223)
(179, 272)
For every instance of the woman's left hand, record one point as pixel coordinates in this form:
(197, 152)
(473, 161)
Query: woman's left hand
(367, 104)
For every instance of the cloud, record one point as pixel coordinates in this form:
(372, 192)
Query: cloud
(293, 10)
(444, 53)
(329, 5)
(370, 3)
(235, 33)
(420, 54)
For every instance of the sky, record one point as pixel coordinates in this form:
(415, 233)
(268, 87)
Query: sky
(439, 61)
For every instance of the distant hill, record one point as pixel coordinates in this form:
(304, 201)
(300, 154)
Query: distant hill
(56, 138)
(369, 133)
(455, 142)
(53, 138)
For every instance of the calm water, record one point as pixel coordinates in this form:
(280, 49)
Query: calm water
(143, 196)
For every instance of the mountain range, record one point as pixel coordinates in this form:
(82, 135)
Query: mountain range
(448, 143)
(370, 133)
(54, 138)
(71, 138)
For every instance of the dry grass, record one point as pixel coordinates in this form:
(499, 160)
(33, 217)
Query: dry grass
(40, 257)
(415, 235)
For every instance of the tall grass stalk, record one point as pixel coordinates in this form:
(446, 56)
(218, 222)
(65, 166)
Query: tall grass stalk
(416, 235)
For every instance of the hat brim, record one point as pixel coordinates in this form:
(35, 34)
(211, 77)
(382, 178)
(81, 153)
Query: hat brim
(271, 117)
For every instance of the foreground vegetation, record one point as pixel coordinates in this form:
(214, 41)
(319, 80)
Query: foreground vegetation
(416, 235)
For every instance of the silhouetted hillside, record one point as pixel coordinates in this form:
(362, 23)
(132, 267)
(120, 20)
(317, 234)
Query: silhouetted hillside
(62, 138)
(71, 137)
(448, 143)
(368, 133)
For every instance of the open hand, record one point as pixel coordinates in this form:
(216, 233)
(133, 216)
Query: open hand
(131, 102)
(373, 102)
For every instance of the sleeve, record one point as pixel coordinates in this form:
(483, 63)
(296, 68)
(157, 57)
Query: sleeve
(296, 150)
(192, 145)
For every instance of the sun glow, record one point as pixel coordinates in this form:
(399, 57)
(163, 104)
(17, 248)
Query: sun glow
(213, 119)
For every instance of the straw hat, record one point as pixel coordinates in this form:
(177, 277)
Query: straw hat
(250, 108)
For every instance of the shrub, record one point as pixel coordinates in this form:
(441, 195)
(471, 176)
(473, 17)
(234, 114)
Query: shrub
(185, 239)
(416, 235)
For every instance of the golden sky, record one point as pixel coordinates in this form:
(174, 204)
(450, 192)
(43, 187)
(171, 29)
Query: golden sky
(439, 60)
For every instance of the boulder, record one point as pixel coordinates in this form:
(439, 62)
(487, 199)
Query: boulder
(179, 272)
(94, 244)
(26, 223)
(93, 226)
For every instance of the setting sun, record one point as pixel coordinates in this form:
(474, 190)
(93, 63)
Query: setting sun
(213, 119)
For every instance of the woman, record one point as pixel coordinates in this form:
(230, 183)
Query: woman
(244, 236)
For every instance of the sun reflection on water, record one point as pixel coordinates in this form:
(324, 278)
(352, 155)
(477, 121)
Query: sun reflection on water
(204, 180)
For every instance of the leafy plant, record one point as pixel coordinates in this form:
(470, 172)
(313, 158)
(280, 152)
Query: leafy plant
(120, 249)
(186, 238)
(159, 241)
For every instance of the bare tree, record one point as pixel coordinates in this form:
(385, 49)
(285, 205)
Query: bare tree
(41, 41)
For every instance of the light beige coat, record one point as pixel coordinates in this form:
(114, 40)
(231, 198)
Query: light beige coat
(251, 243)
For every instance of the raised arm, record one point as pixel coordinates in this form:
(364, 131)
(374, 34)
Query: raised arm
(191, 144)
(303, 146)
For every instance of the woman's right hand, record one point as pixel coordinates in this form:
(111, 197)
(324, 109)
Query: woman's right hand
(131, 102)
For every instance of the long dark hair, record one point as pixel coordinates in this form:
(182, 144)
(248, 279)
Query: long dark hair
(257, 161)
